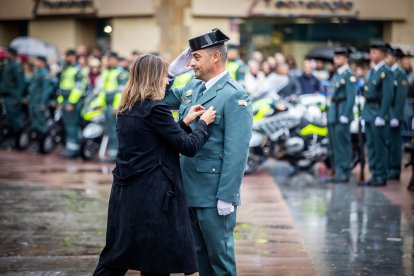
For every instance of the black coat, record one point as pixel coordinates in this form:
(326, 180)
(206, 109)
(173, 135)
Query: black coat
(148, 222)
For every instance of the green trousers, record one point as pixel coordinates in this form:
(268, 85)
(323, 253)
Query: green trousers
(38, 118)
(377, 151)
(213, 235)
(110, 120)
(14, 113)
(71, 121)
(395, 147)
(341, 145)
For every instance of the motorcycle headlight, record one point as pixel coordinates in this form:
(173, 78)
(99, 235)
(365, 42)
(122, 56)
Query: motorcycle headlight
(256, 140)
(92, 131)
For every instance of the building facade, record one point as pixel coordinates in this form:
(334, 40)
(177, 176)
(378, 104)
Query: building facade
(291, 26)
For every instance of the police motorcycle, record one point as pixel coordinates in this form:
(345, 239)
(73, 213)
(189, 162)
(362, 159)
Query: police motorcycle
(55, 134)
(94, 139)
(293, 131)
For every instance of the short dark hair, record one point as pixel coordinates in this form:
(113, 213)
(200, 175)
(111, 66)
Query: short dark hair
(222, 49)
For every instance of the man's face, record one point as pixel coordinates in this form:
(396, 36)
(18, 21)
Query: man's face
(112, 61)
(390, 60)
(405, 63)
(232, 54)
(39, 63)
(376, 55)
(202, 63)
(307, 67)
(71, 59)
(339, 60)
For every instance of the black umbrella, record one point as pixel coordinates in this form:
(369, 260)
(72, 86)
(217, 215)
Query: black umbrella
(324, 53)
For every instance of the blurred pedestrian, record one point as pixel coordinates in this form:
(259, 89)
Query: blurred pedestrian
(280, 58)
(293, 70)
(257, 56)
(41, 88)
(134, 56)
(113, 80)
(213, 177)
(235, 65)
(148, 224)
(309, 83)
(124, 63)
(72, 85)
(254, 78)
(272, 83)
(406, 66)
(94, 72)
(340, 115)
(12, 90)
(396, 115)
(320, 71)
(378, 97)
(292, 88)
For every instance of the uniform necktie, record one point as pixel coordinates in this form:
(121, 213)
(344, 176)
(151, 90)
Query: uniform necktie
(203, 88)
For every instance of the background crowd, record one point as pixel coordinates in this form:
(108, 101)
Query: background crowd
(27, 93)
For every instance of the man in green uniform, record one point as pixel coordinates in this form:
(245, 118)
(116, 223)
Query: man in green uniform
(71, 88)
(235, 65)
(396, 114)
(11, 90)
(340, 114)
(378, 95)
(213, 176)
(114, 79)
(41, 87)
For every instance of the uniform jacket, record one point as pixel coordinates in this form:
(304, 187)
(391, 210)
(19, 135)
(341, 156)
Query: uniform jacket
(378, 89)
(216, 171)
(12, 80)
(41, 87)
(344, 88)
(399, 95)
(148, 222)
(72, 84)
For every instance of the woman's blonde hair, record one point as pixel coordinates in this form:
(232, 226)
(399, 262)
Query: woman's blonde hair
(145, 82)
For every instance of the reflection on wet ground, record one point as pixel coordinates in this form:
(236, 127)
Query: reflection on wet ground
(348, 230)
(53, 220)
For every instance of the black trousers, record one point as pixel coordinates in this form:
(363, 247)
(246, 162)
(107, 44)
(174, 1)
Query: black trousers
(110, 271)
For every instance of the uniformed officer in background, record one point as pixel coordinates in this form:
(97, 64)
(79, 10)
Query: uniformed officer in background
(399, 94)
(12, 90)
(72, 85)
(378, 96)
(340, 114)
(235, 65)
(41, 87)
(212, 178)
(113, 80)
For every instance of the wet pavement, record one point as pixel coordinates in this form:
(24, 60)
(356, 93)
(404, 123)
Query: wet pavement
(53, 220)
(351, 230)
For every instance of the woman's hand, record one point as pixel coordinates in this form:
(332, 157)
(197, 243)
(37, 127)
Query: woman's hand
(195, 111)
(209, 115)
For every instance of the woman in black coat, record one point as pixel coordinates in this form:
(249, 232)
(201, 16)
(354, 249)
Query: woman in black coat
(148, 222)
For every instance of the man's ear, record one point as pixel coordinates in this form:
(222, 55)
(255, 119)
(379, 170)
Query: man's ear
(216, 56)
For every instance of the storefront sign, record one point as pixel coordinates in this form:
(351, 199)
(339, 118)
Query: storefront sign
(59, 7)
(302, 7)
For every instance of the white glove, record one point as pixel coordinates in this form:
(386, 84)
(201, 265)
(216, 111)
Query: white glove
(379, 122)
(343, 119)
(394, 123)
(179, 65)
(224, 208)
